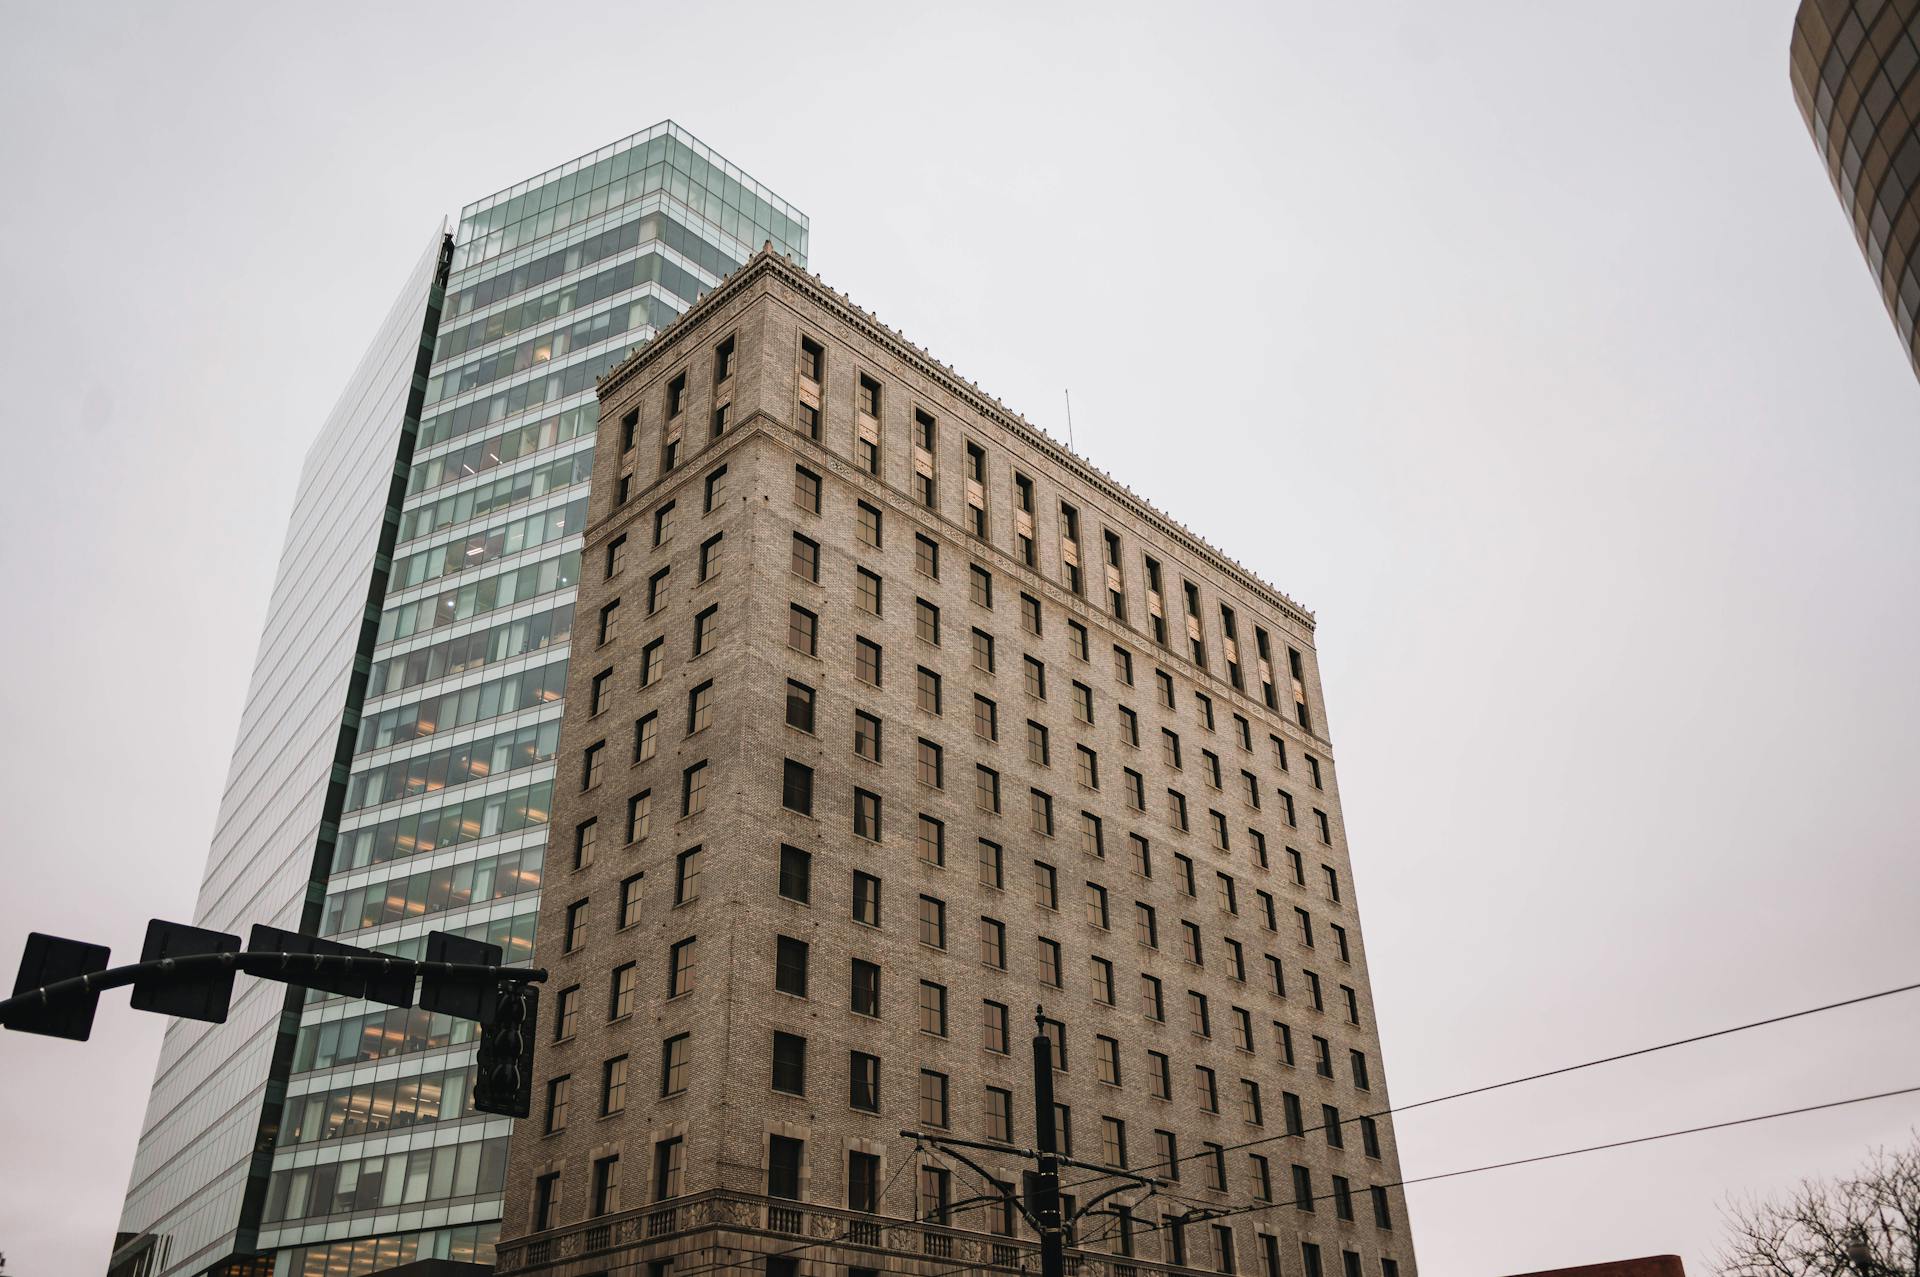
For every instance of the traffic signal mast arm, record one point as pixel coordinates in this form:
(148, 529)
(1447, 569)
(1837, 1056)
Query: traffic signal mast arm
(278, 966)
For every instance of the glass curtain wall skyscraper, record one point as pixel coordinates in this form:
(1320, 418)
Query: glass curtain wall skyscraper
(395, 764)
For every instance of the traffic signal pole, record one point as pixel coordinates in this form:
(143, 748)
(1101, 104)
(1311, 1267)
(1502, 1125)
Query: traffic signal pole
(1046, 1180)
(187, 973)
(24, 1007)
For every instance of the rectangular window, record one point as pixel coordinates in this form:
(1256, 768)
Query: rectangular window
(796, 874)
(1153, 1003)
(866, 814)
(930, 767)
(667, 1158)
(863, 1082)
(1049, 951)
(999, 1114)
(805, 560)
(662, 524)
(983, 651)
(806, 489)
(630, 894)
(980, 585)
(926, 622)
(1040, 812)
(813, 360)
(799, 706)
(933, 1008)
(926, 556)
(613, 1085)
(926, 690)
(866, 661)
(585, 837)
(869, 525)
(865, 997)
(576, 926)
(693, 789)
(1097, 905)
(992, 865)
(866, 736)
(866, 898)
(1036, 673)
(559, 1093)
(986, 788)
(1103, 984)
(790, 966)
(1113, 1141)
(796, 788)
(710, 556)
(657, 590)
(933, 922)
(1083, 703)
(706, 628)
(700, 707)
(673, 1065)
(933, 840)
(1206, 1089)
(622, 988)
(686, 876)
(680, 967)
(1216, 1164)
(789, 1063)
(1037, 752)
(866, 593)
(1159, 1075)
(993, 943)
(933, 1103)
(802, 629)
(993, 1022)
(1092, 839)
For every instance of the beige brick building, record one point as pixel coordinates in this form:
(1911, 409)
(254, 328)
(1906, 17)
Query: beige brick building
(890, 719)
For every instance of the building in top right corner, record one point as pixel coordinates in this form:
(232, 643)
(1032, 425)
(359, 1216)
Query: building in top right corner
(1853, 66)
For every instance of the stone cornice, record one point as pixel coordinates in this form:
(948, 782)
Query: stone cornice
(766, 262)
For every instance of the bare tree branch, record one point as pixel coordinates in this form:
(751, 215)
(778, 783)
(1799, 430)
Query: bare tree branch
(1806, 1233)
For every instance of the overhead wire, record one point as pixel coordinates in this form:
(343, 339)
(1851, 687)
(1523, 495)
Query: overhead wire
(1535, 1077)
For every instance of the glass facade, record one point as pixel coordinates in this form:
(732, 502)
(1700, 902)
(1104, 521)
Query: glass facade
(439, 807)
(1853, 66)
(200, 1172)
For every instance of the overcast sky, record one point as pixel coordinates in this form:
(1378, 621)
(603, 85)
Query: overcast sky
(1526, 343)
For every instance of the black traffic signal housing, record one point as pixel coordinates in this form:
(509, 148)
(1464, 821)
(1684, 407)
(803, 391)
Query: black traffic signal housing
(503, 1069)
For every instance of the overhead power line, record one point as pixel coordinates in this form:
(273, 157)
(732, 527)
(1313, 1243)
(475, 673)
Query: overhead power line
(1230, 1211)
(1546, 1073)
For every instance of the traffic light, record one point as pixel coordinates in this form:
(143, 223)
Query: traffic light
(49, 959)
(201, 994)
(503, 1069)
(394, 988)
(464, 997)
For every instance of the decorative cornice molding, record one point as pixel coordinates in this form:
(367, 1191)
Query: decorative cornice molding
(766, 262)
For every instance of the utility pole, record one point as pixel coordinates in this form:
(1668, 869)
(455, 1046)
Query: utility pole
(1040, 1205)
(1046, 1181)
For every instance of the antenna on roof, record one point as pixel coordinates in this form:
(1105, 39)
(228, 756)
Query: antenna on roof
(1069, 395)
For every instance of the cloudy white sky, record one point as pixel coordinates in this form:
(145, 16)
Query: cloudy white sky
(1525, 342)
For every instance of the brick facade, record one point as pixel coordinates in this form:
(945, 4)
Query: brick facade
(728, 1114)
